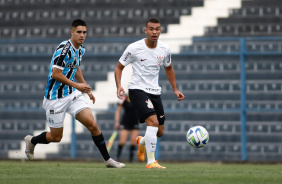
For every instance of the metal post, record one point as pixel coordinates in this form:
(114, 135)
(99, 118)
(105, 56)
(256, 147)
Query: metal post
(73, 139)
(158, 148)
(243, 100)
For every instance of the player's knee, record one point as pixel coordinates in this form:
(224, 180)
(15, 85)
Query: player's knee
(93, 128)
(156, 123)
(153, 123)
(160, 133)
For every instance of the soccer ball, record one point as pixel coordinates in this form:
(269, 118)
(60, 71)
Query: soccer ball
(197, 136)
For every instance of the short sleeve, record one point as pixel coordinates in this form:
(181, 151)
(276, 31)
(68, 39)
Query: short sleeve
(167, 59)
(61, 55)
(127, 56)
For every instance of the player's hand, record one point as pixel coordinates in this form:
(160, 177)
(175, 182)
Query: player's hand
(83, 87)
(120, 92)
(179, 95)
(91, 96)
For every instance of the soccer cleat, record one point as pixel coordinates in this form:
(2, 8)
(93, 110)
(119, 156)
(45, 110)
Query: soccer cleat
(155, 165)
(141, 149)
(29, 149)
(113, 164)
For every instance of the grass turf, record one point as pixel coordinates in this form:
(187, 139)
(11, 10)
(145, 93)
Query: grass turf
(64, 172)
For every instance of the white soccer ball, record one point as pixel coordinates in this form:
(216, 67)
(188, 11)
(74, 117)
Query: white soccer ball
(197, 136)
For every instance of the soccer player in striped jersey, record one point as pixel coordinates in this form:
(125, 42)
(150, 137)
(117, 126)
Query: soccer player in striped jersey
(146, 57)
(63, 95)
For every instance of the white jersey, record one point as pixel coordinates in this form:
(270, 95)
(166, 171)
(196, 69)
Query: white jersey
(146, 64)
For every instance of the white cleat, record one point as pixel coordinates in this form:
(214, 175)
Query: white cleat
(113, 164)
(29, 149)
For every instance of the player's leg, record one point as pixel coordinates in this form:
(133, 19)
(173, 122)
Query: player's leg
(145, 109)
(133, 134)
(123, 134)
(158, 106)
(55, 114)
(55, 135)
(160, 131)
(151, 141)
(154, 120)
(143, 104)
(85, 116)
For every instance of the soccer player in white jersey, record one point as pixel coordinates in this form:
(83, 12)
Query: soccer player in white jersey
(146, 57)
(63, 95)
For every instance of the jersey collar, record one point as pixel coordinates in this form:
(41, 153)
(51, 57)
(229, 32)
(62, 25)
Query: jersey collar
(74, 46)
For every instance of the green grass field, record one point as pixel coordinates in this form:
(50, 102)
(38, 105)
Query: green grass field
(64, 172)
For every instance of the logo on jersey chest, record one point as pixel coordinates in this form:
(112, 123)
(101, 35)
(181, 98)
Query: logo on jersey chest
(159, 60)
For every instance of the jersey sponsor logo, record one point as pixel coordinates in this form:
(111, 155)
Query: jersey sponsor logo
(54, 112)
(149, 104)
(127, 56)
(71, 65)
(159, 60)
(154, 90)
(162, 116)
(66, 48)
(143, 59)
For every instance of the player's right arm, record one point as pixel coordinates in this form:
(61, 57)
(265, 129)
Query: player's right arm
(118, 73)
(124, 60)
(59, 76)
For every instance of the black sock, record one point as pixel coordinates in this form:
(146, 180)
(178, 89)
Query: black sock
(119, 150)
(41, 139)
(100, 143)
(132, 148)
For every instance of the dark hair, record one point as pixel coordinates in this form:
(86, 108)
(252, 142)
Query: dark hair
(78, 22)
(153, 20)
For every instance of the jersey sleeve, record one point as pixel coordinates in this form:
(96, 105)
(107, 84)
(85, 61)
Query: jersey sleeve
(127, 56)
(167, 59)
(61, 56)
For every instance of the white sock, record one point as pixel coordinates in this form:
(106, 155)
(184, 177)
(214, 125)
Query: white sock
(151, 142)
(142, 141)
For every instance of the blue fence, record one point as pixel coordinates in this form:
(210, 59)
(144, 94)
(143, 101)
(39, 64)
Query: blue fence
(243, 52)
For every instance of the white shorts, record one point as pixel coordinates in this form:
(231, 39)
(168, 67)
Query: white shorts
(56, 109)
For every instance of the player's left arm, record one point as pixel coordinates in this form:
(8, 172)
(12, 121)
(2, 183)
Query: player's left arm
(79, 77)
(171, 78)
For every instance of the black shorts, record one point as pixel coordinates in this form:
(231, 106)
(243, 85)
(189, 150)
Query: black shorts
(146, 105)
(129, 125)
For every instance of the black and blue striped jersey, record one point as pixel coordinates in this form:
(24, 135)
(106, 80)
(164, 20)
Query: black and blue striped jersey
(67, 58)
